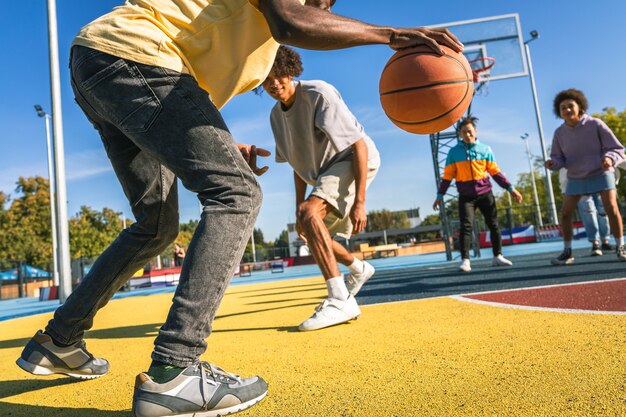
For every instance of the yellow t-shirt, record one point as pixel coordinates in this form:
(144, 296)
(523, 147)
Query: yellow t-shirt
(225, 44)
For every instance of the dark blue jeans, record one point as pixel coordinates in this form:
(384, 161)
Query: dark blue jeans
(157, 125)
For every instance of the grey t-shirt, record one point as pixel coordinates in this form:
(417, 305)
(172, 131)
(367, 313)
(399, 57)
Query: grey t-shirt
(316, 131)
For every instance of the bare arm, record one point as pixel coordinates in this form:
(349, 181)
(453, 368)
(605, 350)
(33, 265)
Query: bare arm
(358, 214)
(293, 24)
(300, 188)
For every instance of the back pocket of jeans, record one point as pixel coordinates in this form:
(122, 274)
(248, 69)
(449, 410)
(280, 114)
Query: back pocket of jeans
(121, 95)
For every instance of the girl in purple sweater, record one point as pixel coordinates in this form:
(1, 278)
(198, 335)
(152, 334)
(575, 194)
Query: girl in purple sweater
(590, 152)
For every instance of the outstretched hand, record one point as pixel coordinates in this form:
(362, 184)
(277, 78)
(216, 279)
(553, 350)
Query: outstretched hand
(517, 196)
(250, 153)
(431, 37)
(437, 203)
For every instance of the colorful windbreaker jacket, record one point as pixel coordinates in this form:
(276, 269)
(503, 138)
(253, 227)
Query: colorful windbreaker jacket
(469, 165)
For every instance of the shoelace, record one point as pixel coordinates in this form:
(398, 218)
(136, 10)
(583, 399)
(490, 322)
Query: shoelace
(217, 374)
(83, 346)
(321, 305)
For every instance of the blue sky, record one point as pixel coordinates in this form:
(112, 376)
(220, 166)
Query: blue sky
(580, 46)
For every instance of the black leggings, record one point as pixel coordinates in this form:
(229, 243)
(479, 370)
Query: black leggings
(486, 203)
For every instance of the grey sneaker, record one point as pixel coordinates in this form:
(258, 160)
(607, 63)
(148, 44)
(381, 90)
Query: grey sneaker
(201, 390)
(621, 253)
(356, 281)
(565, 258)
(42, 357)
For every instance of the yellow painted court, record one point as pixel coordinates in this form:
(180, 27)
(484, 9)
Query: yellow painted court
(433, 357)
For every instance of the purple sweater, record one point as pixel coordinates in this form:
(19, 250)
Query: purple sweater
(581, 148)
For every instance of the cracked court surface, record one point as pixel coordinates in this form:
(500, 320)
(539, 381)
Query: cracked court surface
(415, 351)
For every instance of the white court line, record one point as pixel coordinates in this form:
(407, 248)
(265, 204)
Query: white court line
(504, 305)
(465, 298)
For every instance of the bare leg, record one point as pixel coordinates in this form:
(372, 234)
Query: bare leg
(609, 200)
(567, 211)
(342, 255)
(311, 215)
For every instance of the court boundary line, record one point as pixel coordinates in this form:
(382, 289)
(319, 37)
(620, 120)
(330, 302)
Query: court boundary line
(466, 298)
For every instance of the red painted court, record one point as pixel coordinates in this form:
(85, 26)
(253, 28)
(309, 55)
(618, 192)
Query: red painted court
(600, 296)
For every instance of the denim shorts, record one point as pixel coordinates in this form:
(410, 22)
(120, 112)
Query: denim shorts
(582, 186)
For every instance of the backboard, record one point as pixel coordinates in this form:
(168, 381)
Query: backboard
(497, 37)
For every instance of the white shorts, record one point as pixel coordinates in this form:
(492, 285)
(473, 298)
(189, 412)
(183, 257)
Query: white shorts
(336, 186)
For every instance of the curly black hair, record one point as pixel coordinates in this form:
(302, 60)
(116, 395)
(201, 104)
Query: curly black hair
(467, 120)
(287, 63)
(570, 94)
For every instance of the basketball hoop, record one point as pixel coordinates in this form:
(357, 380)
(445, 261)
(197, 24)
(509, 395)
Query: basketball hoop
(481, 68)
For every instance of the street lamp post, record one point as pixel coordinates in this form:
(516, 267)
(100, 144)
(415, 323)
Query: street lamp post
(53, 214)
(554, 218)
(532, 178)
(63, 235)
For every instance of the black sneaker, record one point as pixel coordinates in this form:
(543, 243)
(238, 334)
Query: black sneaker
(608, 247)
(565, 258)
(200, 390)
(42, 357)
(621, 253)
(595, 250)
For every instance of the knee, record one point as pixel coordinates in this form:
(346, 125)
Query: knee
(160, 230)
(566, 214)
(168, 232)
(306, 214)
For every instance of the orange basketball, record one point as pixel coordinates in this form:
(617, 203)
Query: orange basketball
(423, 92)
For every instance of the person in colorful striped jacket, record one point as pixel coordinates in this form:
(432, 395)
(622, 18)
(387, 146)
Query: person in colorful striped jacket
(470, 163)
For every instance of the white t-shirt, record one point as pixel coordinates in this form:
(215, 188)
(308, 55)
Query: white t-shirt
(316, 131)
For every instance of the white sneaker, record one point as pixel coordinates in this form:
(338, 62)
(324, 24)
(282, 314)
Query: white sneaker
(501, 261)
(465, 266)
(330, 312)
(354, 282)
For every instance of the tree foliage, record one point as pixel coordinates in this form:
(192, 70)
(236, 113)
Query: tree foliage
(25, 233)
(378, 220)
(92, 231)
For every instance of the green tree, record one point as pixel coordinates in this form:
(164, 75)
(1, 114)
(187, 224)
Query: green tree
(25, 233)
(259, 239)
(92, 231)
(282, 241)
(378, 220)
(430, 220)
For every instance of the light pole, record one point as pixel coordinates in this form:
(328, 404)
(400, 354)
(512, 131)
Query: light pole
(532, 178)
(53, 213)
(554, 218)
(63, 235)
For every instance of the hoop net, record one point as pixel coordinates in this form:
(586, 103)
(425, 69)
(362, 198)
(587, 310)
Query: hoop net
(481, 69)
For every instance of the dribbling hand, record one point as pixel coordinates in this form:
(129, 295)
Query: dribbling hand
(250, 153)
(431, 37)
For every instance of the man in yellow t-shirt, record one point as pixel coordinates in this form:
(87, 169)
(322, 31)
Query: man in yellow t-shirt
(151, 76)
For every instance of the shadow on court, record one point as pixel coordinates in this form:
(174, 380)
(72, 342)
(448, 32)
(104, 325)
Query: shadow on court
(21, 386)
(22, 410)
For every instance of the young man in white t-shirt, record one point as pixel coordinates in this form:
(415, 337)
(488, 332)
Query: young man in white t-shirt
(328, 149)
